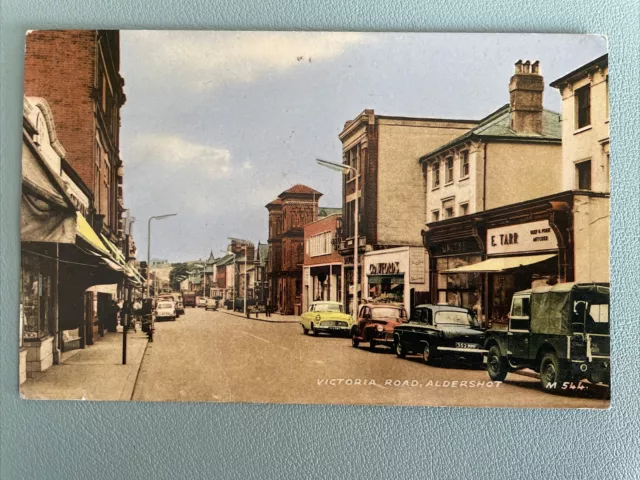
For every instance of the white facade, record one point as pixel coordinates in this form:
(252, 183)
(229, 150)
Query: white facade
(392, 274)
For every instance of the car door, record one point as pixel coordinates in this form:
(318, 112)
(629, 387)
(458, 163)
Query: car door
(364, 319)
(519, 327)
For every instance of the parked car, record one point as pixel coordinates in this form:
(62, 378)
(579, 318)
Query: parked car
(560, 331)
(239, 303)
(201, 302)
(179, 308)
(326, 317)
(211, 304)
(165, 310)
(376, 323)
(438, 331)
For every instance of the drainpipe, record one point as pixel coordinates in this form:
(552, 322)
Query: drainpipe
(484, 178)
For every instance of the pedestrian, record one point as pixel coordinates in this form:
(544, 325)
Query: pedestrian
(268, 308)
(112, 318)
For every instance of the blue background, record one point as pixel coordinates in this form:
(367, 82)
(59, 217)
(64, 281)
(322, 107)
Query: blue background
(161, 440)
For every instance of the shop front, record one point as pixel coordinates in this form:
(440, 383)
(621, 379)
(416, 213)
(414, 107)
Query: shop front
(322, 283)
(397, 275)
(479, 261)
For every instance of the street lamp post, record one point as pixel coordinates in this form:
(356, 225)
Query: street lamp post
(157, 217)
(345, 169)
(245, 280)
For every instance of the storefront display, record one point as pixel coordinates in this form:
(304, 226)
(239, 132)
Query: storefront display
(38, 296)
(396, 275)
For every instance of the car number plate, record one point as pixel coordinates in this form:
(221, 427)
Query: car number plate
(466, 345)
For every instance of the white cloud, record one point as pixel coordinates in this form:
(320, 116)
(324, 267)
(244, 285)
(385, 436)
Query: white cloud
(207, 60)
(173, 152)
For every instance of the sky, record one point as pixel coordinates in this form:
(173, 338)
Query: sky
(218, 124)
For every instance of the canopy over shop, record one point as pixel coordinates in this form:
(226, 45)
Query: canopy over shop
(478, 261)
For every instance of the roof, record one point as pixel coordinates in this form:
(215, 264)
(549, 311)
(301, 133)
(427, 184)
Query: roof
(582, 71)
(497, 125)
(439, 307)
(300, 189)
(274, 203)
(226, 260)
(327, 211)
(563, 287)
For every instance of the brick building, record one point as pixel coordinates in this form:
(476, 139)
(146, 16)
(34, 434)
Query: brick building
(78, 73)
(288, 214)
(322, 271)
(385, 150)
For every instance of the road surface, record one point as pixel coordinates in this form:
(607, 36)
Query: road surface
(215, 356)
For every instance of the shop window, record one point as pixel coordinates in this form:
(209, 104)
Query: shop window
(435, 175)
(459, 289)
(583, 175)
(464, 164)
(449, 172)
(37, 295)
(583, 106)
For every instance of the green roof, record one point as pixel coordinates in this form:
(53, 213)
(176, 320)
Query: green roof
(497, 126)
(326, 211)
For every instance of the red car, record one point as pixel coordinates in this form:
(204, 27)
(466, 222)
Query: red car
(376, 323)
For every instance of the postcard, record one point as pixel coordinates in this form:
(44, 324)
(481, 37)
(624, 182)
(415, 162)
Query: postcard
(316, 218)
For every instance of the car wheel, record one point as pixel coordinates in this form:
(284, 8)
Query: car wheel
(400, 352)
(427, 354)
(497, 367)
(372, 345)
(552, 373)
(305, 330)
(314, 331)
(354, 341)
(173, 319)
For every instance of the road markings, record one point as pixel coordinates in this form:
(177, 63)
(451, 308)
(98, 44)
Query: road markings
(256, 337)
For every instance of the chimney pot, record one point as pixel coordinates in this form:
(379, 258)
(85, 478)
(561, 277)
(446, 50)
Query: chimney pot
(519, 66)
(535, 67)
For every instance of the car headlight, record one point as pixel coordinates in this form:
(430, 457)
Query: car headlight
(380, 328)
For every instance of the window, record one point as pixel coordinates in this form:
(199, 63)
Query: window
(606, 105)
(464, 164)
(447, 206)
(449, 172)
(320, 244)
(435, 215)
(583, 106)
(583, 175)
(435, 170)
(464, 209)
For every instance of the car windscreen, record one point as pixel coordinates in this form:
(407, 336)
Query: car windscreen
(453, 318)
(165, 305)
(327, 307)
(387, 312)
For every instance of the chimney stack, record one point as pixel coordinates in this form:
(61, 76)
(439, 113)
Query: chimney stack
(526, 88)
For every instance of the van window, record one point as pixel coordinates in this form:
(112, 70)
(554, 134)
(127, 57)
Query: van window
(520, 314)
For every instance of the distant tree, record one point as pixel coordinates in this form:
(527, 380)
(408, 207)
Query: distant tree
(177, 274)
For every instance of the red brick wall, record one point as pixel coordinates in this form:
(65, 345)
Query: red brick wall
(60, 67)
(323, 225)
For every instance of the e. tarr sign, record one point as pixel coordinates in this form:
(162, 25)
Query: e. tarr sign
(525, 237)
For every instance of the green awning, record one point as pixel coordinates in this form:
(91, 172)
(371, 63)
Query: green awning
(380, 279)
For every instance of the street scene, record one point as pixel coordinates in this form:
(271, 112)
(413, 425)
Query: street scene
(291, 217)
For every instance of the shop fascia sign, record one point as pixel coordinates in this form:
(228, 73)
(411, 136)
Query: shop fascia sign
(525, 237)
(386, 268)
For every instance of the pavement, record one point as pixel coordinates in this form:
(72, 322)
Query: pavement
(92, 373)
(273, 318)
(224, 357)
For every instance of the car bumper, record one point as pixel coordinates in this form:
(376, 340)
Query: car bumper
(332, 328)
(597, 370)
(462, 351)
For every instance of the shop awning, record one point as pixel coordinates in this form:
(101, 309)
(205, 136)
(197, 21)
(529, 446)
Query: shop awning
(501, 264)
(88, 234)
